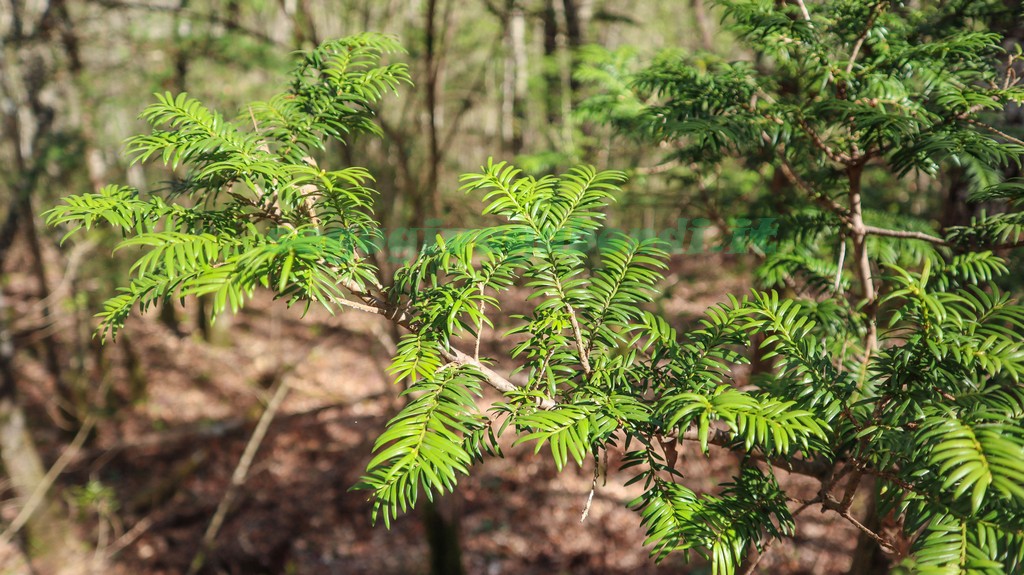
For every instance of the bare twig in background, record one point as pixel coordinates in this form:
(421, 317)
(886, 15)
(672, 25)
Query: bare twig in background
(39, 495)
(590, 498)
(239, 476)
(130, 536)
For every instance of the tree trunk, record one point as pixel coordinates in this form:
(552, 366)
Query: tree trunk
(861, 259)
(514, 86)
(48, 538)
(442, 528)
(69, 401)
(182, 29)
(955, 209)
(550, 76)
(441, 519)
(700, 18)
(28, 66)
(868, 558)
(304, 30)
(564, 12)
(427, 202)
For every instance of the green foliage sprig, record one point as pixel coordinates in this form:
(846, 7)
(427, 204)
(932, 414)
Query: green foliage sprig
(263, 213)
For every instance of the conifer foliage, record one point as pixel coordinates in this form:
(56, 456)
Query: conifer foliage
(894, 335)
(912, 378)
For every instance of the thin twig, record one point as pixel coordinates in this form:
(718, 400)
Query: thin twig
(842, 508)
(492, 378)
(658, 169)
(838, 157)
(590, 498)
(372, 304)
(803, 10)
(882, 542)
(873, 231)
(839, 265)
(827, 202)
(75, 258)
(851, 490)
(362, 307)
(843, 472)
(130, 536)
(578, 336)
(995, 131)
(863, 36)
(760, 555)
(862, 260)
(479, 327)
(239, 476)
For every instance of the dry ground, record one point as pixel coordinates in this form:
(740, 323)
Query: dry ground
(165, 455)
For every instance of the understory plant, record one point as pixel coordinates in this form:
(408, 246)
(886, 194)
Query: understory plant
(910, 380)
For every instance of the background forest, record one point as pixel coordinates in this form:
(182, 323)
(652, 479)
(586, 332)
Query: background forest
(230, 446)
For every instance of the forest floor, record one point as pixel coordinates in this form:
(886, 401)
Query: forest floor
(179, 411)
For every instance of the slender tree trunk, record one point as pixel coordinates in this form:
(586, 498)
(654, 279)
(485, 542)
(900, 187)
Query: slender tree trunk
(441, 519)
(48, 537)
(427, 204)
(704, 26)
(27, 65)
(181, 33)
(552, 82)
(955, 209)
(868, 558)
(860, 255)
(577, 18)
(565, 66)
(304, 30)
(514, 86)
(69, 401)
(565, 31)
(27, 62)
(578, 14)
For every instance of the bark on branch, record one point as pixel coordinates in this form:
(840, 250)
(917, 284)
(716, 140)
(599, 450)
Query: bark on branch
(375, 305)
(873, 231)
